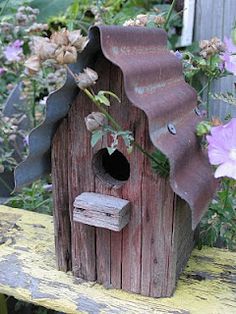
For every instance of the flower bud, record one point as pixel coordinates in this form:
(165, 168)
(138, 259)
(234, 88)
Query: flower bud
(95, 121)
(86, 78)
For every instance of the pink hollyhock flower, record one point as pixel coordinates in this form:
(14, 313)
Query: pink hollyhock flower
(14, 51)
(222, 149)
(229, 56)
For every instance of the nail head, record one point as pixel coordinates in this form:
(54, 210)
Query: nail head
(171, 128)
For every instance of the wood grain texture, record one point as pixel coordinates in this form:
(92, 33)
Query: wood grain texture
(62, 222)
(216, 18)
(103, 211)
(27, 248)
(80, 179)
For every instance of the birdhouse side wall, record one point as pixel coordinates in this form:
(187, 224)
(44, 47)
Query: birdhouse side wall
(143, 257)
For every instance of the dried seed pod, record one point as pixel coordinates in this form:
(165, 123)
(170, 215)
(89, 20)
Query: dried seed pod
(87, 78)
(77, 40)
(43, 48)
(66, 55)
(211, 47)
(33, 65)
(94, 121)
(159, 20)
(60, 38)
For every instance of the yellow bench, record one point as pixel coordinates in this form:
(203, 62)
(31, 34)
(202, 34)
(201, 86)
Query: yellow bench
(28, 272)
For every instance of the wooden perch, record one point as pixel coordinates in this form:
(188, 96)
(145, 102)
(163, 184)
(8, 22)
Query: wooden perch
(28, 272)
(102, 211)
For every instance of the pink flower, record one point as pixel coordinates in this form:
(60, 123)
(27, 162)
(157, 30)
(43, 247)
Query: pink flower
(222, 149)
(230, 46)
(14, 51)
(2, 71)
(229, 56)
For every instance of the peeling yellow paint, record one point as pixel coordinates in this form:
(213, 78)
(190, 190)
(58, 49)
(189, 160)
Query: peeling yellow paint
(28, 272)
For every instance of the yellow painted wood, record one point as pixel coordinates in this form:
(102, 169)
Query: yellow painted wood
(28, 272)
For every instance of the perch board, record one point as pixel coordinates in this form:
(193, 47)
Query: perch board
(28, 272)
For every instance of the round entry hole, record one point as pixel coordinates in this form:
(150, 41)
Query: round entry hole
(112, 169)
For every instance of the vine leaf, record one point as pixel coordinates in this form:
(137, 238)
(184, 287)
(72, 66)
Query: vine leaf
(96, 136)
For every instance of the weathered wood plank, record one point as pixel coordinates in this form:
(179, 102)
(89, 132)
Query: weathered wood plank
(80, 179)
(62, 222)
(28, 272)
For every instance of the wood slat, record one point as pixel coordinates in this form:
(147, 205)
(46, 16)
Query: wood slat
(80, 179)
(62, 223)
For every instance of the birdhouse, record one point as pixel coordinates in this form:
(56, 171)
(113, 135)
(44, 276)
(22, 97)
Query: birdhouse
(117, 222)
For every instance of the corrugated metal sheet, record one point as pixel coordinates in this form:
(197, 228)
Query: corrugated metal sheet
(154, 83)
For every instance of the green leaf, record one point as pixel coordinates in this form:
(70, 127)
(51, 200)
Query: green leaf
(102, 92)
(161, 164)
(102, 99)
(96, 136)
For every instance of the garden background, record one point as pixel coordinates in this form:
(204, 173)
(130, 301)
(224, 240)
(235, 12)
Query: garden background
(25, 94)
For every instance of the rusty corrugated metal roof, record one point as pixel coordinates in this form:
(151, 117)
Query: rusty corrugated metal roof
(154, 83)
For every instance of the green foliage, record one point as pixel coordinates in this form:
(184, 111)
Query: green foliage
(203, 128)
(50, 8)
(219, 223)
(3, 304)
(103, 99)
(34, 198)
(160, 164)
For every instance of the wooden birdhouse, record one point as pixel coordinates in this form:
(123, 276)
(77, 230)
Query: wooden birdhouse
(117, 222)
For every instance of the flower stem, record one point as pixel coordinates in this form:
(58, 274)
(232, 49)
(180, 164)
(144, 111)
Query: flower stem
(227, 188)
(169, 15)
(202, 90)
(33, 106)
(103, 110)
(5, 184)
(208, 97)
